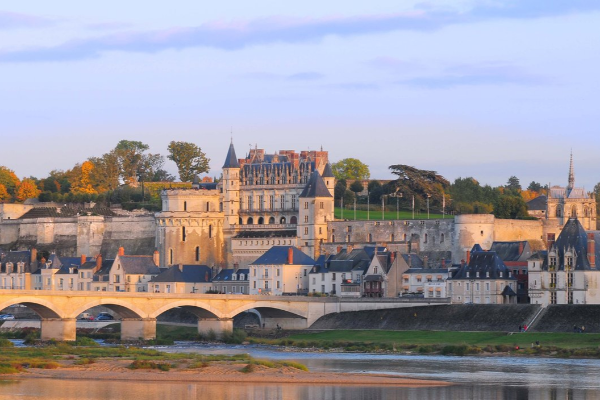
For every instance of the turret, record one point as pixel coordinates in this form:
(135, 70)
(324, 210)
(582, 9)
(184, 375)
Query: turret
(329, 178)
(316, 208)
(231, 188)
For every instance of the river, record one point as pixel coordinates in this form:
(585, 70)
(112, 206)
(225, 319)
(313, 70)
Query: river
(473, 378)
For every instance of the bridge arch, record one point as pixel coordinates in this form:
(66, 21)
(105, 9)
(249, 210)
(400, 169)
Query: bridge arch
(123, 308)
(277, 309)
(196, 307)
(42, 307)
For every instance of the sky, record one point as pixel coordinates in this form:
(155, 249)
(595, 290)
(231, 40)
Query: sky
(481, 88)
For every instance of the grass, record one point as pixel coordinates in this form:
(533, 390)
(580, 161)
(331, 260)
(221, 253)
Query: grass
(375, 215)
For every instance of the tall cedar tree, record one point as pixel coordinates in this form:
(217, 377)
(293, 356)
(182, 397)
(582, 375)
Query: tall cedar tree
(189, 158)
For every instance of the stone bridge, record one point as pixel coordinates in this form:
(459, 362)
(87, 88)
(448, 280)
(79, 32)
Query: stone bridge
(138, 311)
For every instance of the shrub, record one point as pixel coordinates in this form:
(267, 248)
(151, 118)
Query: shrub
(293, 364)
(85, 361)
(6, 343)
(248, 368)
(145, 364)
(86, 341)
(8, 369)
(237, 336)
(211, 335)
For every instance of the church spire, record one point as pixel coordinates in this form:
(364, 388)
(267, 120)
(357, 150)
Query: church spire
(571, 184)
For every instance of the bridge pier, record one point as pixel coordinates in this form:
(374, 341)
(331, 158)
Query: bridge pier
(58, 329)
(138, 328)
(286, 323)
(217, 325)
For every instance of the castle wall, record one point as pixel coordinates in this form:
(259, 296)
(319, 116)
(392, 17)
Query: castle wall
(514, 229)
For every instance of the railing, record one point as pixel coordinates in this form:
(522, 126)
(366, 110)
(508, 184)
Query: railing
(267, 209)
(268, 226)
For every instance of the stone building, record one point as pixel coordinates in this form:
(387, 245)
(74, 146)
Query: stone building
(232, 281)
(281, 270)
(182, 279)
(262, 200)
(567, 273)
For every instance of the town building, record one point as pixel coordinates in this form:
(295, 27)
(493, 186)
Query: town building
(483, 279)
(132, 273)
(567, 272)
(281, 270)
(182, 279)
(515, 255)
(232, 281)
(16, 269)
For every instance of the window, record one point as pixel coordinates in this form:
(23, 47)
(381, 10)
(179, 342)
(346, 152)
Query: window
(306, 205)
(293, 202)
(333, 276)
(197, 253)
(314, 280)
(278, 272)
(553, 280)
(254, 271)
(305, 272)
(321, 205)
(306, 230)
(271, 202)
(170, 256)
(306, 218)
(278, 283)
(281, 202)
(185, 206)
(254, 284)
(210, 231)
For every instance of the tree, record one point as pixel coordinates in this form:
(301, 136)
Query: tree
(27, 189)
(513, 185)
(130, 155)
(350, 168)
(4, 195)
(189, 158)
(56, 182)
(375, 191)
(535, 186)
(81, 179)
(106, 172)
(340, 189)
(9, 180)
(510, 207)
(357, 187)
(419, 183)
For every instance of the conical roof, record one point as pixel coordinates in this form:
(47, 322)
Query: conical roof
(231, 160)
(328, 172)
(315, 187)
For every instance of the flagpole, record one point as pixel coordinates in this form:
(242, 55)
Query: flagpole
(368, 205)
(413, 206)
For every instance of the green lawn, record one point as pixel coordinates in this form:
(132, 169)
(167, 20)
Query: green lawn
(389, 215)
(399, 338)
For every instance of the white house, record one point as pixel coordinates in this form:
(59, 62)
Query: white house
(282, 269)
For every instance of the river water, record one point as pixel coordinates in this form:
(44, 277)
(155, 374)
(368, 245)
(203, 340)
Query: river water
(473, 378)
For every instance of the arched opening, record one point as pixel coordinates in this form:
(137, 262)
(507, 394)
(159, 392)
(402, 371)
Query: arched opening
(574, 211)
(197, 253)
(250, 221)
(271, 220)
(370, 238)
(261, 220)
(241, 221)
(271, 317)
(558, 211)
(294, 220)
(210, 231)
(185, 206)
(333, 238)
(282, 220)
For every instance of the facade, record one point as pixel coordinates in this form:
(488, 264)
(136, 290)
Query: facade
(16, 269)
(182, 279)
(263, 200)
(426, 282)
(132, 273)
(232, 281)
(567, 273)
(281, 270)
(515, 255)
(484, 279)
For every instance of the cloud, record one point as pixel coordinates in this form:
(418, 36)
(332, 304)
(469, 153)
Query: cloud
(395, 65)
(10, 20)
(241, 34)
(305, 76)
(478, 74)
(108, 26)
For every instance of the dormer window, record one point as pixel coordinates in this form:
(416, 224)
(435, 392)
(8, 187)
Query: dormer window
(477, 274)
(241, 277)
(501, 274)
(233, 277)
(487, 274)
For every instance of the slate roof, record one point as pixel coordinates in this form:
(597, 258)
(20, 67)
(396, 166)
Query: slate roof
(266, 234)
(483, 262)
(231, 160)
(190, 274)
(429, 271)
(413, 260)
(139, 265)
(328, 172)
(508, 291)
(17, 257)
(102, 274)
(574, 238)
(538, 204)
(510, 251)
(315, 187)
(277, 255)
(225, 275)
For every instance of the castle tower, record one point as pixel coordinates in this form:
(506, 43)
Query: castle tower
(571, 184)
(231, 189)
(316, 208)
(329, 178)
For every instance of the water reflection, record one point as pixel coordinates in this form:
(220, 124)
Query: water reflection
(93, 390)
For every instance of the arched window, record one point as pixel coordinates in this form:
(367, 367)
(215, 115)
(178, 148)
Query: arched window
(282, 220)
(294, 220)
(442, 238)
(171, 256)
(197, 253)
(272, 220)
(185, 206)
(250, 221)
(261, 220)
(558, 211)
(183, 233)
(574, 211)
(210, 231)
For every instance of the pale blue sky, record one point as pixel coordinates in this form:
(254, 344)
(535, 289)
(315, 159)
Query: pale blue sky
(487, 89)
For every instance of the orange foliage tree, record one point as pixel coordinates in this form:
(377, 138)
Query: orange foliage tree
(81, 182)
(27, 189)
(4, 195)
(9, 180)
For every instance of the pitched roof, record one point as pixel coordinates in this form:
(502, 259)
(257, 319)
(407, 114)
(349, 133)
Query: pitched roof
(231, 160)
(538, 204)
(328, 172)
(138, 265)
(483, 262)
(278, 255)
(512, 251)
(187, 273)
(574, 238)
(413, 260)
(16, 257)
(225, 275)
(315, 187)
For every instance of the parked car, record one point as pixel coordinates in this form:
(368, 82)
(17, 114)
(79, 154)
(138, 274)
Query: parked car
(85, 317)
(104, 317)
(6, 317)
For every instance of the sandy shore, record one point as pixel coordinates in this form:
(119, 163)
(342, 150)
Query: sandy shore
(111, 370)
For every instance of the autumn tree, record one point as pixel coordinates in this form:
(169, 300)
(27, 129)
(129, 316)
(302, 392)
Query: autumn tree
(81, 182)
(9, 180)
(350, 169)
(27, 189)
(4, 195)
(106, 172)
(419, 183)
(130, 155)
(189, 158)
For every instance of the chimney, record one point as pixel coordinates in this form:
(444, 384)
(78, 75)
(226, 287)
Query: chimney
(521, 247)
(156, 258)
(550, 240)
(83, 259)
(591, 250)
(468, 257)
(121, 251)
(98, 263)
(236, 266)
(181, 267)
(339, 249)
(33, 255)
(290, 258)
(392, 257)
